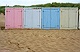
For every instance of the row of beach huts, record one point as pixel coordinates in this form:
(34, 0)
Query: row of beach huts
(42, 18)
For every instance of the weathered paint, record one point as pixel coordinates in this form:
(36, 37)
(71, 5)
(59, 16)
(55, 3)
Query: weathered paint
(18, 17)
(32, 18)
(36, 18)
(27, 18)
(50, 18)
(9, 18)
(46, 18)
(64, 18)
(55, 18)
(73, 18)
(69, 18)
(13, 18)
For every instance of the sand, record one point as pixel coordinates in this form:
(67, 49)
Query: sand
(40, 40)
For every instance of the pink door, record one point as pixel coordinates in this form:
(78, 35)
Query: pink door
(9, 18)
(18, 17)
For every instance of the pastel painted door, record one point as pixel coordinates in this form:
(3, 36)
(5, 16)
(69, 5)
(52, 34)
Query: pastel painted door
(36, 18)
(64, 24)
(73, 18)
(55, 18)
(28, 13)
(18, 17)
(9, 18)
(46, 18)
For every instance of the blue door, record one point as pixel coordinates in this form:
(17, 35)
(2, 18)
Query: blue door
(46, 18)
(51, 18)
(55, 18)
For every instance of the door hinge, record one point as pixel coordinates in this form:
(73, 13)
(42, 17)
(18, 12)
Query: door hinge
(57, 25)
(24, 25)
(76, 11)
(75, 25)
(61, 25)
(24, 11)
(20, 25)
(38, 25)
(7, 25)
(61, 11)
(6, 11)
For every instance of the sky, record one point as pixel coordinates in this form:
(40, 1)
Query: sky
(33, 2)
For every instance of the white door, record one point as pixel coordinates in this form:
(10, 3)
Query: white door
(73, 18)
(28, 18)
(36, 18)
(64, 18)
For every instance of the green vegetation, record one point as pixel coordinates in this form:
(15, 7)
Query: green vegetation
(18, 6)
(2, 9)
(53, 4)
